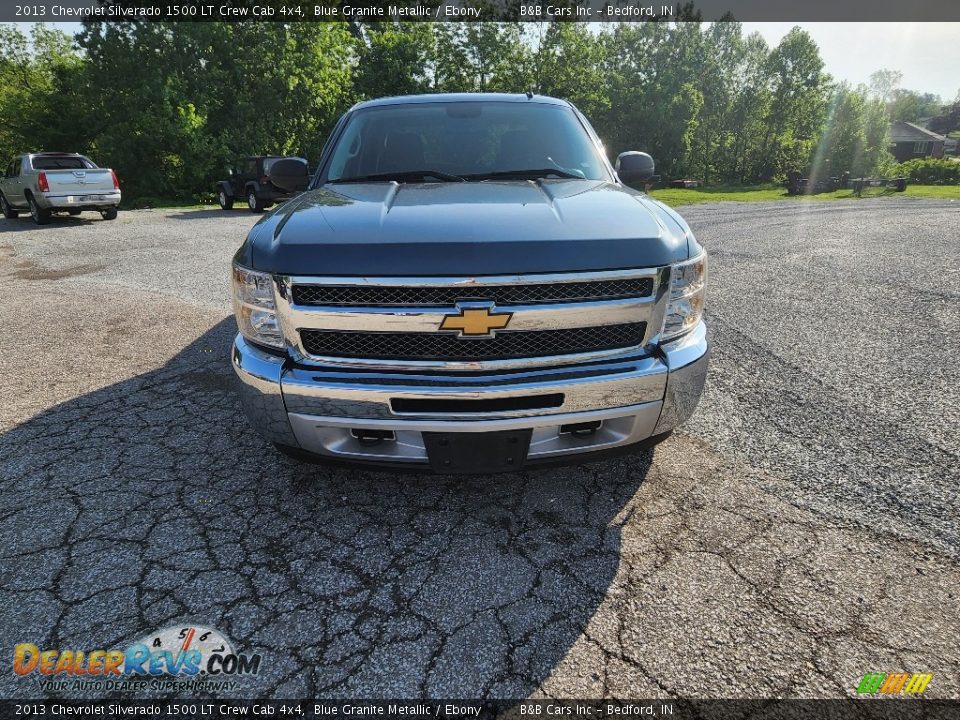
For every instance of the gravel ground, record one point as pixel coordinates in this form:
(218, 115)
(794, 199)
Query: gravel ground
(799, 532)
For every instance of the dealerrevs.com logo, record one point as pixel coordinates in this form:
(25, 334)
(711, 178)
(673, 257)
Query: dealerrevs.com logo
(192, 657)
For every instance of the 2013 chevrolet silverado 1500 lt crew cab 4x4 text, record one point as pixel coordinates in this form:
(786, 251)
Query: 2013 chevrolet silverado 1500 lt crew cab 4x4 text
(469, 286)
(49, 182)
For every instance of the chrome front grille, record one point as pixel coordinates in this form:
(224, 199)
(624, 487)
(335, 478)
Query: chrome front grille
(523, 294)
(412, 323)
(502, 346)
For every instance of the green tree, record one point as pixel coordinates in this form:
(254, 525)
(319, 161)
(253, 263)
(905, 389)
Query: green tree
(656, 105)
(716, 53)
(798, 103)
(395, 59)
(40, 91)
(747, 118)
(909, 106)
(481, 57)
(854, 138)
(884, 83)
(172, 105)
(569, 63)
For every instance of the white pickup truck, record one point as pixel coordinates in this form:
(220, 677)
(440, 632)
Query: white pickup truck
(49, 182)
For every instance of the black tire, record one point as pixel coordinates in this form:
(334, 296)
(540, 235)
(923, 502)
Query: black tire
(74, 212)
(253, 202)
(226, 201)
(8, 212)
(39, 215)
(110, 214)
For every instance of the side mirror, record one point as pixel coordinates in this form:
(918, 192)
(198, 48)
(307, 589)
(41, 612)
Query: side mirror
(289, 174)
(634, 168)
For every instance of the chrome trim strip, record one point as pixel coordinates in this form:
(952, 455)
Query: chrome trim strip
(428, 320)
(301, 357)
(478, 280)
(489, 425)
(305, 392)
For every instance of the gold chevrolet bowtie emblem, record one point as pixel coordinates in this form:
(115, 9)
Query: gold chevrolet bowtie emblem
(476, 322)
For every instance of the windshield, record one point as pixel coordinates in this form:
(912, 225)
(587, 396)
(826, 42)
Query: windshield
(473, 140)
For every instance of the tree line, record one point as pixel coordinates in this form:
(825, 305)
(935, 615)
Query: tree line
(170, 105)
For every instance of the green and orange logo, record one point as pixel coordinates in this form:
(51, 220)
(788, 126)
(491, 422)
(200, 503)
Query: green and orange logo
(879, 683)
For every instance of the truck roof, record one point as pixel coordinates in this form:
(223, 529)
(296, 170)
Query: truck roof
(460, 97)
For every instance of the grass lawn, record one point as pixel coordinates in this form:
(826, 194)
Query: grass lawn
(766, 193)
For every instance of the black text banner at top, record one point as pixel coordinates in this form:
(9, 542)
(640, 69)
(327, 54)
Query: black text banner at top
(481, 11)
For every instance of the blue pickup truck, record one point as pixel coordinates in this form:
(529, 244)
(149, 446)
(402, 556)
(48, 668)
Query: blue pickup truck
(469, 285)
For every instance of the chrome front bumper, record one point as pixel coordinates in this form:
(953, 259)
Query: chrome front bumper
(318, 409)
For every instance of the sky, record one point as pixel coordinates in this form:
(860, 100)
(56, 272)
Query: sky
(928, 54)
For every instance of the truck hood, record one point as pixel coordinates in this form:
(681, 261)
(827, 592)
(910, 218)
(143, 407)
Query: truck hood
(488, 228)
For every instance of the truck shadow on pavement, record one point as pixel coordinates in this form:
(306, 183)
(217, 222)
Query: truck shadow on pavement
(25, 224)
(211, 213)
(151, 503)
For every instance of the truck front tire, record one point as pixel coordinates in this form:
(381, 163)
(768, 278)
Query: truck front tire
(226, 201)
(8, 212)
(39, 215)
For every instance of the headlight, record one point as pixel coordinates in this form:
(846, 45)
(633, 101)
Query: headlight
(255, 307)
(688, 284)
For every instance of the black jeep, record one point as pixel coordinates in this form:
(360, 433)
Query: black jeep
(250, 179)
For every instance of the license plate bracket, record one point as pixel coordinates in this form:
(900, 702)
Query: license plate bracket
(484, 452)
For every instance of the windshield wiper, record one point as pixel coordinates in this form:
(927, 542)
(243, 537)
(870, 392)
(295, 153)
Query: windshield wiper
(526, 174)
(401, 176)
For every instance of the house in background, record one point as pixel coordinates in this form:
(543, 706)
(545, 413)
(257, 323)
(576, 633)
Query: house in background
(909, 141)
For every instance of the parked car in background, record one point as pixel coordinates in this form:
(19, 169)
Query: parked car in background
(48, 182)
(250, 180)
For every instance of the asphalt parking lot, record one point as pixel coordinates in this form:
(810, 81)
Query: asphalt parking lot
(800, 531)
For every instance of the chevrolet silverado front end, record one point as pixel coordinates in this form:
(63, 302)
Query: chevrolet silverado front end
(468, 287)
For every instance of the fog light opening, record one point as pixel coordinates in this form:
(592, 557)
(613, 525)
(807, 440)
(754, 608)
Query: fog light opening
(581, 430)
(369, 438)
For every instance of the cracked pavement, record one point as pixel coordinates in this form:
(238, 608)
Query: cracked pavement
(800, 531)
